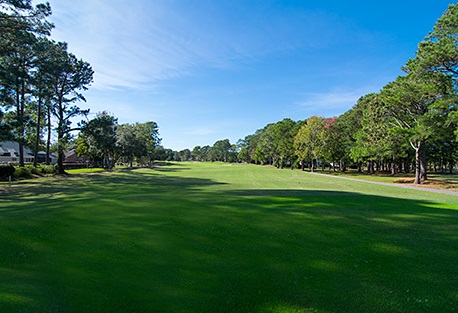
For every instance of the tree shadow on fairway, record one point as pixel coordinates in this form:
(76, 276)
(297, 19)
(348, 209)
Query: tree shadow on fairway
(146, 242)
(294, 250)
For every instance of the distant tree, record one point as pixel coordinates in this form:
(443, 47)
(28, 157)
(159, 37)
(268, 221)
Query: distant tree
(128, 144)
(205, 153)
(251, 145)
(160, 153)
(220, 150)
(233, 152)
(266, 147)
(184, 155)
(196, 154)
(148, 133)
(244, 149)
(284, 133)
(97, 138)
(358, 142)
(310, 141)
(339, 143)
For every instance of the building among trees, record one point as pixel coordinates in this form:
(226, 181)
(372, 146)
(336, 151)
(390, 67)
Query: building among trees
(9, 153)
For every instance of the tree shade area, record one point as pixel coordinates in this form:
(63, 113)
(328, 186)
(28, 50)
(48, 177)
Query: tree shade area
(207, 237)
(221, 234)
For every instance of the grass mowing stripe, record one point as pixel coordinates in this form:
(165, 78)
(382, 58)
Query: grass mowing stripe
(216, 238)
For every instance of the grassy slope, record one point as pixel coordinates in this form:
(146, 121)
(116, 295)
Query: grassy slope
(213, 237)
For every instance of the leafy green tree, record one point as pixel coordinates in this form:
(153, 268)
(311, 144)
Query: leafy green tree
(410, 104)
(437, 55)
(196, 154)
(97, 138)
(148, 133)
(160, 153)
(21, 25)
(69, 77)
(233, 153)
(43, 93)
(310, 141)
(205, 154)
(253, 148)
(15, 83)
(267, 148)
(137, 141)
(5, 131)
(339, 142)
(243, 148)
(128, 144)
(359, 140)
(184, 155)
(284, 133)
(17, 16)
(220, 150)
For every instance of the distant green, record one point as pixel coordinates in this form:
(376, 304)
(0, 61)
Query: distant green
(214, 237)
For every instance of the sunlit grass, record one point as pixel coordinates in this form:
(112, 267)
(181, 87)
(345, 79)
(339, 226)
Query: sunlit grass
(437, 180)
(216, 238)
(85, 170)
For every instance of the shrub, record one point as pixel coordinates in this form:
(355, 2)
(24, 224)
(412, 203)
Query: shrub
(48, 169)
(33, 170)
(6, 170)
(23, 172)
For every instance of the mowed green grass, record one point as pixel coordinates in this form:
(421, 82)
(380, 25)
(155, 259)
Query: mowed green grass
(219, 238)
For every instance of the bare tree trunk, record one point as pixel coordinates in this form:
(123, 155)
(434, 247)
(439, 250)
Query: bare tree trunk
(20, 119)
(417, 167)
(48, 141)
(37, 140)
(423, 175)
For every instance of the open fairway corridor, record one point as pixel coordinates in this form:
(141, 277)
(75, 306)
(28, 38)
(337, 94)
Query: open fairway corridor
(213, 237)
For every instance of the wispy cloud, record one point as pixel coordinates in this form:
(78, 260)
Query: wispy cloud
(332, 103)
(135, 44)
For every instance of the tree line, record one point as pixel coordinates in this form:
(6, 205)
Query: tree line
(410, 123)
(40, 80)
(106, 142)
(40, 85)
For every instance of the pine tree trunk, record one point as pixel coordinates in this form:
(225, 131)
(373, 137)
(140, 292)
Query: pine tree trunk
(393, 167)
(37, 141)
(423, 175)
(48, 141)
(417, 166)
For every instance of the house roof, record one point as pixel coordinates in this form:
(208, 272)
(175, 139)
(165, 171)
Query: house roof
(12, 147)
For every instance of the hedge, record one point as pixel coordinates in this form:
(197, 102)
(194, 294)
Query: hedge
(6, 170)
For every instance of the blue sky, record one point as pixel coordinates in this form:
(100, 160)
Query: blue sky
(206, 70)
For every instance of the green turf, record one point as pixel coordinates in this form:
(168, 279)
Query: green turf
(225, 238)
(85, 170)
(449, 180)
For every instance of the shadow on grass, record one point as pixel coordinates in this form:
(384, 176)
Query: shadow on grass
(145, 242)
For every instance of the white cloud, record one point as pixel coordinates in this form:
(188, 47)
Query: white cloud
(135, 44)
(332, 103)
